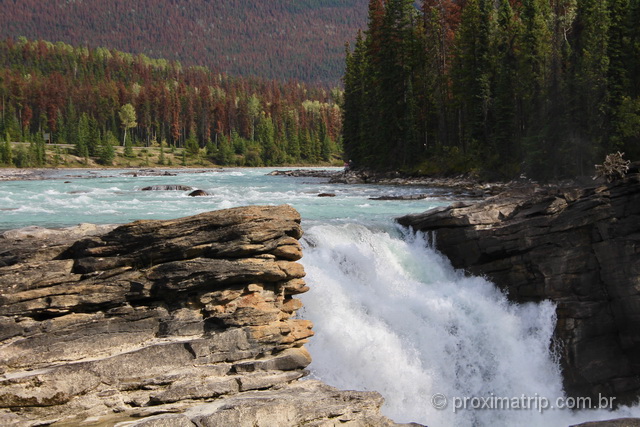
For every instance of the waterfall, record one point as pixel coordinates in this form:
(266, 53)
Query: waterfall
(392, 315)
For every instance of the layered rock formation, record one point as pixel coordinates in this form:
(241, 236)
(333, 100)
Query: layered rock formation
(185, 321)
(579, 248)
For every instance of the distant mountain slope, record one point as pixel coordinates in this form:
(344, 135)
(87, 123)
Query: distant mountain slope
(301, 39)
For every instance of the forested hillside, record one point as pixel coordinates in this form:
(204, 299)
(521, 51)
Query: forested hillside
(97, 98)
(541, 87)
(282, 39)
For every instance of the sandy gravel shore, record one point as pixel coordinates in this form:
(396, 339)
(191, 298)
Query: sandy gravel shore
(15, 174)
(27, 174)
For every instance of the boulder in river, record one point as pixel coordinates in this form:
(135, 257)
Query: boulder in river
(199, 193)
(172, 187)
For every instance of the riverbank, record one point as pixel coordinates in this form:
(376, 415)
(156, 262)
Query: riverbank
(466, 186)
(62, 156)
(36, 174)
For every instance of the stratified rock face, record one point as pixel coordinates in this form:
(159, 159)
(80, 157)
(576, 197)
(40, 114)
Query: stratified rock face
(578, 248)
(153, 317)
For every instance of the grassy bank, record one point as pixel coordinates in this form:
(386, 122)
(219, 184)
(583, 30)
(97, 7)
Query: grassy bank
(63, 156)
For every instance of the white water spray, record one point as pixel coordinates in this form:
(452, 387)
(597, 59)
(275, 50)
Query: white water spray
(392, 315)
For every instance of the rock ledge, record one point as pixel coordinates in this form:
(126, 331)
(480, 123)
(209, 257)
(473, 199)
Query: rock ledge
(184, 321)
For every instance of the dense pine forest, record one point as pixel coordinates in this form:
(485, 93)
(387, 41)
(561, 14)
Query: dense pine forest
(96, 99)
(544, 88)
(275, 39)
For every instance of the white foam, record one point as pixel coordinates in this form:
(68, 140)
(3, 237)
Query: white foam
(33, 209)
(226, 204)
(393, 316)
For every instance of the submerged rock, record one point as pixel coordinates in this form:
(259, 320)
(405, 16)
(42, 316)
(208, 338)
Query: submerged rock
(149, 172)
(311, 173)
(406, 197)
(199, 193)
(184, 321)
(167, 188)
(577, 247)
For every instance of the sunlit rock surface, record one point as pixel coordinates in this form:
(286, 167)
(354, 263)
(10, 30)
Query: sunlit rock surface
(186, 321)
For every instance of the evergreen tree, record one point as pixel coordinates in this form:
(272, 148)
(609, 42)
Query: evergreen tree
(83, 134)
(436, 85)
(618, 48)
(505, 136)
(71, 124)
(107, 152)
(325, 147)
(211, 150)
(11, 124)
(225, 155)
(128, 149)
(306, 152)
(39, 152)
(624, 53)
(22, 158)
(292, 137)
(191, 146)
(472, 74)
(6, 153)
(547, 130)
(590, 85)
(265, 136)
(633, 55)
(353, 108)
(397, 66)
(93, 141)
(372, 139)
(161, 159)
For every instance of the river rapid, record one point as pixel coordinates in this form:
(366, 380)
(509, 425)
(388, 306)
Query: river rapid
(390, 313)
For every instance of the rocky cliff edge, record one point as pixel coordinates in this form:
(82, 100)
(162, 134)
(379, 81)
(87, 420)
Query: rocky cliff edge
(163, 323)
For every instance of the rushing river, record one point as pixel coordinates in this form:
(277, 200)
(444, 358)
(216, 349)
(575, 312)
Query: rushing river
(390, 313)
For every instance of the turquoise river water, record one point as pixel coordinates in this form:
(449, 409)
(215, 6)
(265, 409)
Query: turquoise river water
(390, 313)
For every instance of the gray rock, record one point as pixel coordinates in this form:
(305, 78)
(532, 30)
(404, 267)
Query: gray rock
(406, 197)
(199, 193)
(309, 173)
(305, 403)
(166, 420)
(167, 188)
